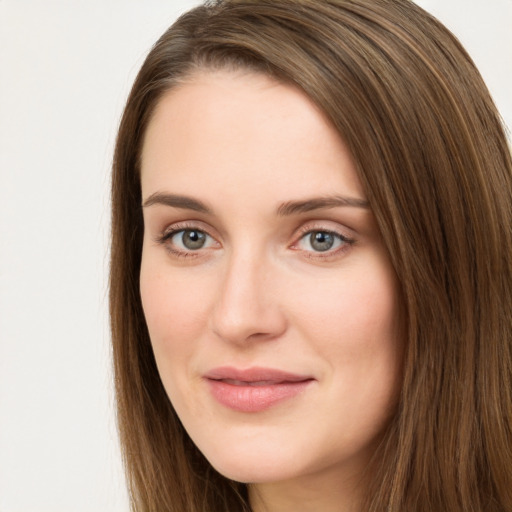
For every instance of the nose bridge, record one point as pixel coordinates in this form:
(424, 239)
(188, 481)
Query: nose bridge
(246, 308)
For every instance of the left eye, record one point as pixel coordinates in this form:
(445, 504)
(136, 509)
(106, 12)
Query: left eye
(321, 241)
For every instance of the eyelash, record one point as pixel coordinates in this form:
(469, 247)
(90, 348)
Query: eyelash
(344, 241)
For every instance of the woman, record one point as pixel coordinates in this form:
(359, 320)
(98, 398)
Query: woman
(311, 275)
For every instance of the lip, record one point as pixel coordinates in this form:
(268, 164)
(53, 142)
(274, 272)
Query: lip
(254, 389)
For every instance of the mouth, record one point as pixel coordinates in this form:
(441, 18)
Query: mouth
(234, 382)
(254, 389)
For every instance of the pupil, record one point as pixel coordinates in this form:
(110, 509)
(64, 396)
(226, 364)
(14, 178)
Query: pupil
(321, 241)
(193, 239)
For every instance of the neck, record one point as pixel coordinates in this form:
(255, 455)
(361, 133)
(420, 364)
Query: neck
(307, 494)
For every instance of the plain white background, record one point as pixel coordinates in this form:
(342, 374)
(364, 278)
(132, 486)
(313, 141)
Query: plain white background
(65, 70)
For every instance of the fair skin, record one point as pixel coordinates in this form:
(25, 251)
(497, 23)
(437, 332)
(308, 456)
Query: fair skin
(262, 257)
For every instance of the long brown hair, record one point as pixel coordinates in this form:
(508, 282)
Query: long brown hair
(431, 152)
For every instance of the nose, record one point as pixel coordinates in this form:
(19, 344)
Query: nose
(248, 305)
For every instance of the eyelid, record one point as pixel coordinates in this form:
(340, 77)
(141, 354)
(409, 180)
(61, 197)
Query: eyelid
(196, 225)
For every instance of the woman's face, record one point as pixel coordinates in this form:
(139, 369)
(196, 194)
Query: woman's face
(269, 296)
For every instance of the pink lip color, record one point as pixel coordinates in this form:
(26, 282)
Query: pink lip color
(254, 389)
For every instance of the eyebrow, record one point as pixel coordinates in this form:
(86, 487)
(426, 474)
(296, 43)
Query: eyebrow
(176, 201)
(317, 203)
(285, 209)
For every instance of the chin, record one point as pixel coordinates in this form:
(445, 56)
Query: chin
(249, 474)
(252, 466)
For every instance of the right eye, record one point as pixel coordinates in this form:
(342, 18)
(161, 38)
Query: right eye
(189, 239)
(186, 241)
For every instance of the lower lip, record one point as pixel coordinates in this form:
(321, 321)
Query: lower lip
(254, 398)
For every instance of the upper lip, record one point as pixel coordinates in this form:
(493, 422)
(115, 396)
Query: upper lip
(255, 374)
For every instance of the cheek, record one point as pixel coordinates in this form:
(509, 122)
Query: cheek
(356, 309)
(353, 324)
(174, 309)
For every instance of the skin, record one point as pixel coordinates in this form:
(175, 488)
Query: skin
(260, 293)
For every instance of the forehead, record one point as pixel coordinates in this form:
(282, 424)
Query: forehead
(239, 128)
